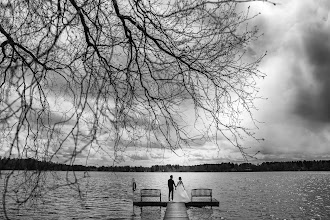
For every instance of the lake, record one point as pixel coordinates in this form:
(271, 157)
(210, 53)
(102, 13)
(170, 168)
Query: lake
(246, 195)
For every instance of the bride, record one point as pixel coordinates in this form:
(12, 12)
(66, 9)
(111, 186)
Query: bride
(180, 194)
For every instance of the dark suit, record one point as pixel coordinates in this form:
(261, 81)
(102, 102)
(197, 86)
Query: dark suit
(170, 184)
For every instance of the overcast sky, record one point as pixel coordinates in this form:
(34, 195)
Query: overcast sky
(296, 113)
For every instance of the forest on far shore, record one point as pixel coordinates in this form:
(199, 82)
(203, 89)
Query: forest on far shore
(32, 164)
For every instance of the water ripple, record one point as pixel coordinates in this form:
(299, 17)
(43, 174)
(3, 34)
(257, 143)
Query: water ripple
(268, 195)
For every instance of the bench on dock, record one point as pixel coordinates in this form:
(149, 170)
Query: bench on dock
(151, 193)
(201, 193)
(155, 193)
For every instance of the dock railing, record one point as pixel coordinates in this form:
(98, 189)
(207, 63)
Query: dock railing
(201, 193)
(148, 194)
(151, 193)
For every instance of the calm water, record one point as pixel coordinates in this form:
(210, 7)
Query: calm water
(106, 195)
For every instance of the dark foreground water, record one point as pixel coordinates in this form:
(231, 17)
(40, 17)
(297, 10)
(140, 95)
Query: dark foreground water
(106, 195)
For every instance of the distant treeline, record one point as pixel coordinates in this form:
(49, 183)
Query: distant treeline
(32, 164)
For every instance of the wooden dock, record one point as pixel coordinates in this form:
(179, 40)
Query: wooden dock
(214, 202)
(149, 203)
(202, 203)
(176, 211)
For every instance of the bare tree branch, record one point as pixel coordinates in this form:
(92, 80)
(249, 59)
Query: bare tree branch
(83, 74)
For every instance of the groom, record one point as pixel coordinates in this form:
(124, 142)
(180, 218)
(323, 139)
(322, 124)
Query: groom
(170, 184)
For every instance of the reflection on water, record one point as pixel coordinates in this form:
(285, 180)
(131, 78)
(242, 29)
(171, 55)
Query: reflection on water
(149, 213)
(105, 195)
(195, 213)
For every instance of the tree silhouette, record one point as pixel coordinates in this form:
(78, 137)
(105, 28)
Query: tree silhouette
(84, 75)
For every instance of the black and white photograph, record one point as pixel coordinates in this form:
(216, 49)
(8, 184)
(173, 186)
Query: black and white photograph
(164, 109)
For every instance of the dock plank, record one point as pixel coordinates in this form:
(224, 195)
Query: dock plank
(214, 202)
(202, 203)
(150, 203)
(176, 210)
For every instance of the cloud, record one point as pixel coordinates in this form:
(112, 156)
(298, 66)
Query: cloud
(49, 118)
(313, 104)
(139, 157)
(298, 39)
(296, 114)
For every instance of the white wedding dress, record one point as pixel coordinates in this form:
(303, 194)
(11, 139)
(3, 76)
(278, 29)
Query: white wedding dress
(180, 194)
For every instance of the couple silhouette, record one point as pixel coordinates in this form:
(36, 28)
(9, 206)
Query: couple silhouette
(180, 194)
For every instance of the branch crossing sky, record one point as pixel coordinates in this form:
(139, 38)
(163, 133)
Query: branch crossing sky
(295, 113)
(295, 109)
